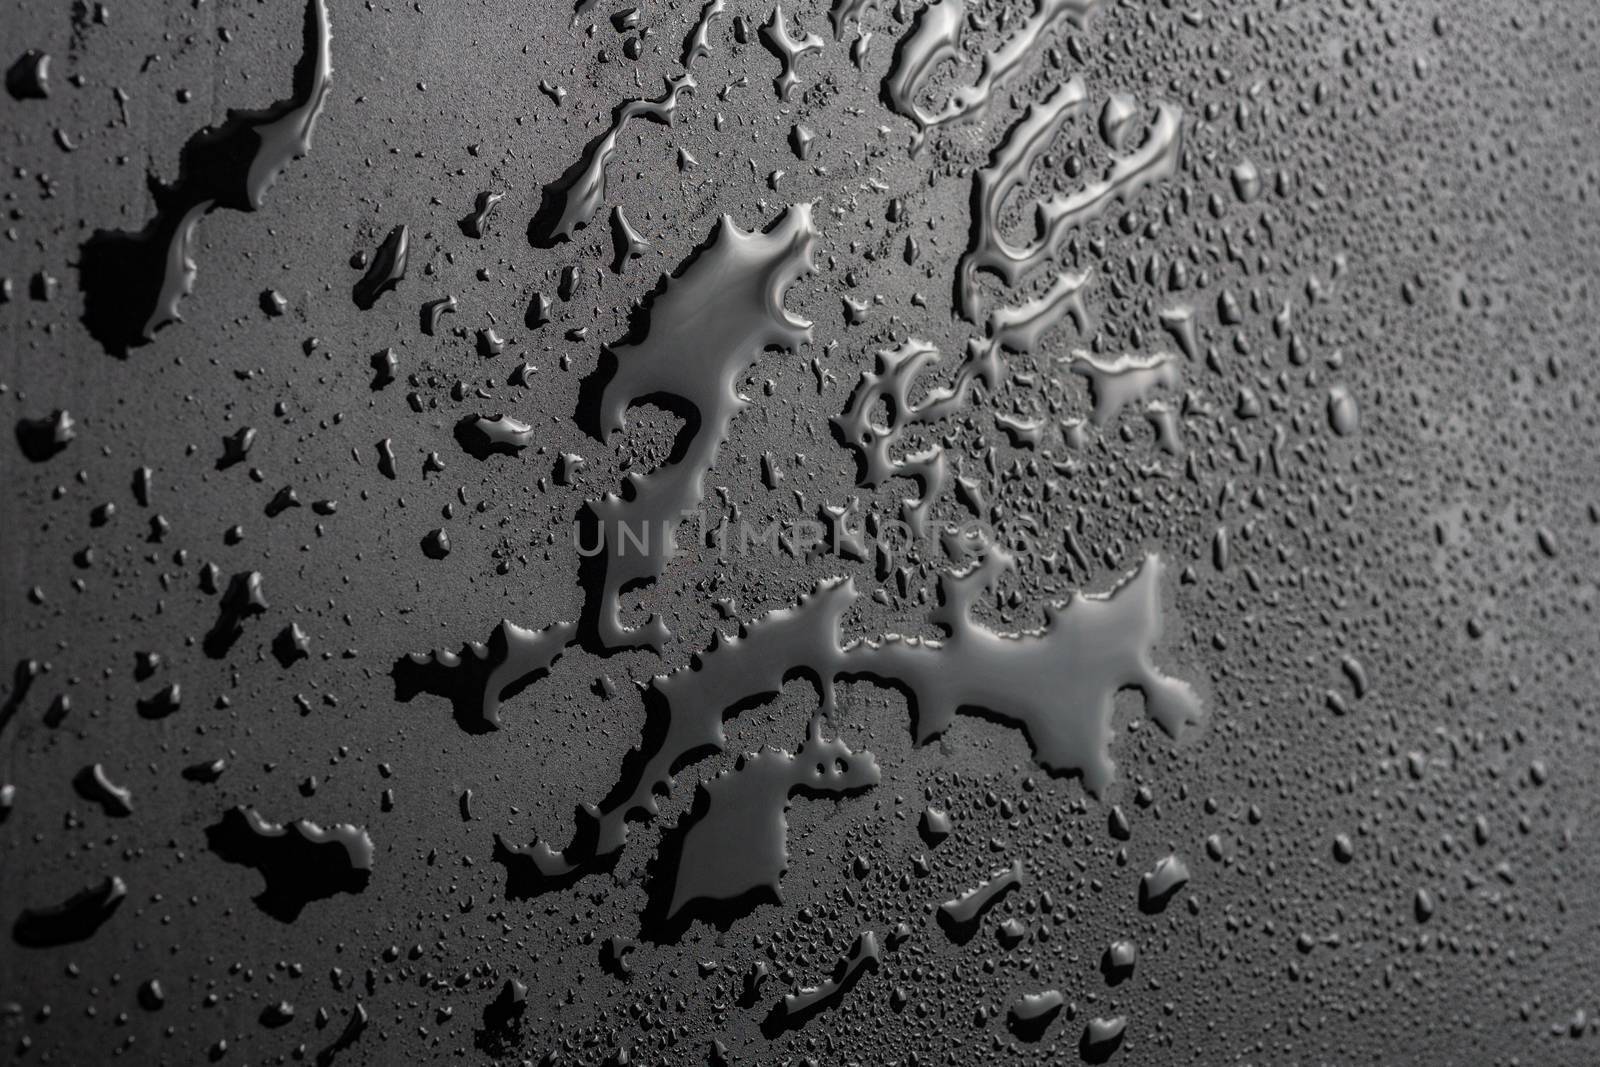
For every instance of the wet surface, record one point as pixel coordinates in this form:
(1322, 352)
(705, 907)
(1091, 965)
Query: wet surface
(857, 532)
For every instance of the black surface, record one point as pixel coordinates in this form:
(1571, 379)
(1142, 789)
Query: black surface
(1356, 709)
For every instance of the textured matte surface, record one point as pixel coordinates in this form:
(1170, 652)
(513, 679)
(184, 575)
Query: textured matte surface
(1248, 716)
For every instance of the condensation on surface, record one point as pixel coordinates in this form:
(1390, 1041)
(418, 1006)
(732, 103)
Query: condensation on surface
(945, 532)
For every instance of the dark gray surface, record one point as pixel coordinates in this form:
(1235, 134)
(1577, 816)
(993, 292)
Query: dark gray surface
(1427, 218)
